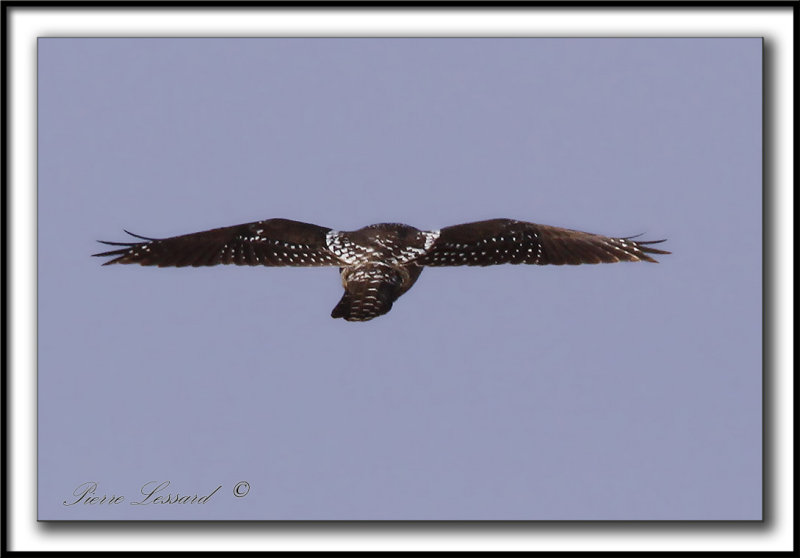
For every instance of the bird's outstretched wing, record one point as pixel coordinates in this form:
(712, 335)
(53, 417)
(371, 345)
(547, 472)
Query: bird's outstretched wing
(500, 241)
(274, 242)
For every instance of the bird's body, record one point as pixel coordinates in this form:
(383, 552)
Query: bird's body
(381, 266)
(379, 263)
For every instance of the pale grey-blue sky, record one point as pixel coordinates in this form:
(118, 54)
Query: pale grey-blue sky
(596, 392)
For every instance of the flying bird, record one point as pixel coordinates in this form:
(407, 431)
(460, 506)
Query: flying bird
(379, 263)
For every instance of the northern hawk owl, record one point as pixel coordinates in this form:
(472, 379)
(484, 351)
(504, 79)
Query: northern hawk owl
(379, 263)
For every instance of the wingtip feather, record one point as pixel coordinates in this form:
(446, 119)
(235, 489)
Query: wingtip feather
(139, 236)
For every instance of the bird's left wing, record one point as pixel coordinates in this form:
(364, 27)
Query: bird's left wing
(500, 241)
(274, 242)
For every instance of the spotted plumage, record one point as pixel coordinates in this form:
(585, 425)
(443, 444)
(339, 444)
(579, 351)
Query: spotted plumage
(379, 263)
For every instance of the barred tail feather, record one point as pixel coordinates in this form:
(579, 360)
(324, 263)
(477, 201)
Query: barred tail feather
(370, 291)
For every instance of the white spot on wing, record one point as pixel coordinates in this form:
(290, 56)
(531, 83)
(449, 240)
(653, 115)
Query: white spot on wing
(430, 238)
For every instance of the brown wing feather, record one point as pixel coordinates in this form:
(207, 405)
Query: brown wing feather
(500, 241)
(274, 242)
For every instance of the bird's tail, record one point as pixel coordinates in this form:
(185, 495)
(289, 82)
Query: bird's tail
(370, 290)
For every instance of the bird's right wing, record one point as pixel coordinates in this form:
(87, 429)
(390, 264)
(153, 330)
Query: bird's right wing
(500, 241)
(274, 242)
